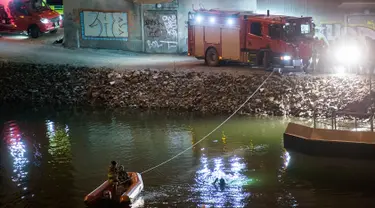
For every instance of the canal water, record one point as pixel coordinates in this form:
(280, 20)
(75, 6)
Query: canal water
(53, 159)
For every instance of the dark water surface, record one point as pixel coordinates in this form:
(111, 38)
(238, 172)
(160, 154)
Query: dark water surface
(55, 159)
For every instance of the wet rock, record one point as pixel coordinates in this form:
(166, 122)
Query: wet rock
(187, 91)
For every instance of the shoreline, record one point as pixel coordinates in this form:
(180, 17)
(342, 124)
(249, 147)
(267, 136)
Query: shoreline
(216, 93)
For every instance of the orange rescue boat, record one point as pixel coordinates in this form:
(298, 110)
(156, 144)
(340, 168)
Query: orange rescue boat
(125, 194)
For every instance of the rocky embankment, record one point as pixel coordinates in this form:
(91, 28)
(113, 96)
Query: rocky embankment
(64, 85)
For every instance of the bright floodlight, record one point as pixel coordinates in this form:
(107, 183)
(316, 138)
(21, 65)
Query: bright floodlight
(212, 19)
(230, 21)
(198, 19)
(348, 54)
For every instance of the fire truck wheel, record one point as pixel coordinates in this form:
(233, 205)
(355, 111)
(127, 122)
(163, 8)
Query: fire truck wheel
(212, 57)
(34, 31)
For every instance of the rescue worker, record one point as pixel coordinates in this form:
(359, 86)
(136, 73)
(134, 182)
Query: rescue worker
(113, 175)
(319, 53)
(123, 177)
(221, 182)
(107, 195)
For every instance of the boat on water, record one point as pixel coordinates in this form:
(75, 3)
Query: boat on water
(331, 142)
(125, 194)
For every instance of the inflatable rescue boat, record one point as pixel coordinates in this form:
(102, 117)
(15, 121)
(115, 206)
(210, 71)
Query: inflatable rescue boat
(125, 193)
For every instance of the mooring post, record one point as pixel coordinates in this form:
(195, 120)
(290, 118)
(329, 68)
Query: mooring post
(142, 28)
(370, 72)
(314, 116)
(335, 121)
(332, 120)
(372, 123)
(77, 39)
(355, 123)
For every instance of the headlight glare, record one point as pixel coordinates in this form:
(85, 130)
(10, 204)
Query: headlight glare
(286, 58)
(44, 20)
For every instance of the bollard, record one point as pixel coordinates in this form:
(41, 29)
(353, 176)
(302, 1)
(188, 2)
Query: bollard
(314, 120)
(77, 37)
(335, 121)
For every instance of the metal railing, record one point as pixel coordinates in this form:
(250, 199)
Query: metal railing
(356, 115)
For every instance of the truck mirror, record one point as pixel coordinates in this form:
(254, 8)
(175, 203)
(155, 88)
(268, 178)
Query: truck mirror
(24, 11)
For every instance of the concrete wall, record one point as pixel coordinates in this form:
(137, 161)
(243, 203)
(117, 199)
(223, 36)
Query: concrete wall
(73, 32)
(165, 28)
(360, 25)
(117, 24)
(320, 10)
(327, 15)
(249, 5)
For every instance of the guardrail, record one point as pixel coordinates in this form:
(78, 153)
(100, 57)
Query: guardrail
(356, 115)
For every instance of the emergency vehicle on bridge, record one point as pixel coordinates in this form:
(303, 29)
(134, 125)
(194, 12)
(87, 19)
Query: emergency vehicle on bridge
(259, 39)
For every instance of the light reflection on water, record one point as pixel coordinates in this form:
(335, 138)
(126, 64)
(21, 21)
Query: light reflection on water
(73, 154)
(232, 194)
(59, 144)
(17, 150)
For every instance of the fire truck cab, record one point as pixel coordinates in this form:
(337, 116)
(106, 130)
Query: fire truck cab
(32, 17)
(258, 39)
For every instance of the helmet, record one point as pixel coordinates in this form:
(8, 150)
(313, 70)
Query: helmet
(107, 194)
(114, 163)
(121, 168)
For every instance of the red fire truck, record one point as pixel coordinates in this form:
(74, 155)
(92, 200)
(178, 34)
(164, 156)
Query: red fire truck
(258, 39)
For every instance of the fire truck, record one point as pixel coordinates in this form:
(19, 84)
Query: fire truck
(258, 39)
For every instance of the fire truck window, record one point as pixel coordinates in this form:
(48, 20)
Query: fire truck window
(3, 15)
(21, 8)
(55, 2)
(256, 28)
(275, 31)
(2, 11)
(305, 28)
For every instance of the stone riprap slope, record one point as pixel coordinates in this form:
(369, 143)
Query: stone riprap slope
(217, 93)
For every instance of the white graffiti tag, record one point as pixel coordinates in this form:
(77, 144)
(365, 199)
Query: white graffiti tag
(105, 24)
(170, 44)
(170, 23)
(153, 44)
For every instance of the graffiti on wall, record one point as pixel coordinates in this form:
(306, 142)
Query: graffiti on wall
(101, 25)
(161, 31)
(358, 26)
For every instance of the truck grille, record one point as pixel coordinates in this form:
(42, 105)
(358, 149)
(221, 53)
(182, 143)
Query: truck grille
(56, 19)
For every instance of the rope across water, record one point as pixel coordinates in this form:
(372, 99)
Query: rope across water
(215, 129)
